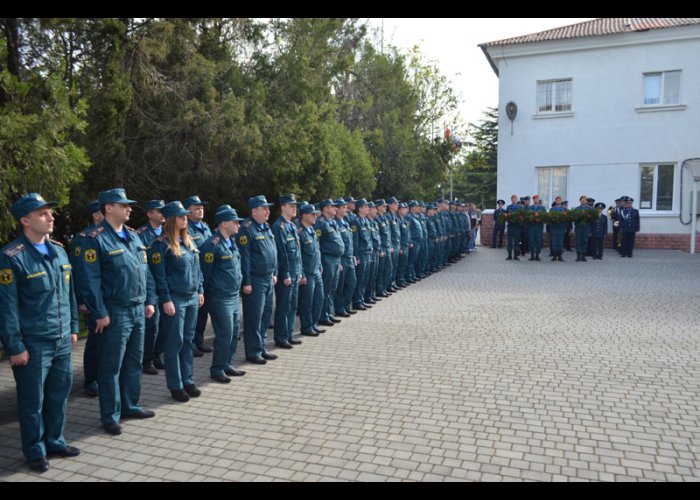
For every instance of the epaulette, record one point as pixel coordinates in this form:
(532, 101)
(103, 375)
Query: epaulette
(141, 230)
(215, 240)
(247, 224)
(57, 243)
(281, 225)
(17, 249)
(96, 232)
(160, 238)
(83, 234)
(130, 228)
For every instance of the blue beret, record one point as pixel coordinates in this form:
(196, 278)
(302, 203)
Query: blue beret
(117, 195)
(194, 200)
(258, 201)
(29, 203)
(174, 209)
(153, 205)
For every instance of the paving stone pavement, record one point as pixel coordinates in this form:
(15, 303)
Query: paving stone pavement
(487, 371)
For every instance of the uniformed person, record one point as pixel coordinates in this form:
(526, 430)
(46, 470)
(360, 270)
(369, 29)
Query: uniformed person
(259, 268)
(385, 249)
(38, 325)
(535, 229)
(199, 232)
(599, 229)
(524, 239)
(568, 227)
(615, 218)
(311, 284)
(629, 227)
(498, 228)
(117, 287)
(362, 245)
(416, 230)
(288, 272)
(152, 345)
(423, 255)
(556, 232)
(347, 280)
(220, 261)
(174, 262)
(582, 231)
(393, 217)
(332, 249)
(403, 246)
(371, 290)
(513, 228)
(91, 352)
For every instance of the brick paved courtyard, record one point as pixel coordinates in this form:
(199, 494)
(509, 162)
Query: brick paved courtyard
(489, 370)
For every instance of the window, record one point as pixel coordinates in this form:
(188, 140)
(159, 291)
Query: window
(656, 187)
(554, 96)
(552, 182)
(662, 88)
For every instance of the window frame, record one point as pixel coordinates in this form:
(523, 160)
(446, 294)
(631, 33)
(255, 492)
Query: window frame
(662, 89)
(551, 195)
(553, 96)
(655, 191)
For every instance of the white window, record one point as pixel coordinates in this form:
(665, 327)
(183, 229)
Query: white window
(554, 96)
(552, 182)
(657, 186)
(662, 88)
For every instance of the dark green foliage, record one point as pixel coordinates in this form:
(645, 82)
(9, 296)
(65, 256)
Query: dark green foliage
(223, 108)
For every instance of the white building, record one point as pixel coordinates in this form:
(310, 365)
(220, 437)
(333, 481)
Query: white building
(605, 108)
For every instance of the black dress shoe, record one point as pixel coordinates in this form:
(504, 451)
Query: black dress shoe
(295, 342)
(205, 349)
(233, 372)
(158, 363)
(319, 330)
(221, 378)
(180, 395)
(269, 356)
(310, 334)
(284, 346)
(140, 414)
(326, 323)
(360, 308)
(192, 391)
(256, 361)
(351, 312)
(68, 451)
(113, 428)
(91, 392)
(150, 369)
(40, 465)
(343, 315)
(197, 353)
(335, 320)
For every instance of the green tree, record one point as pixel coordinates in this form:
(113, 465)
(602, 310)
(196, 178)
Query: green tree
(39, 116)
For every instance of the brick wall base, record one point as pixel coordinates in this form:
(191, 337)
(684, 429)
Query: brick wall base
(643, 240)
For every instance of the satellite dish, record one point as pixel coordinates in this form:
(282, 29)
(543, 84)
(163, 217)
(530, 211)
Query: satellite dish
(511, 112)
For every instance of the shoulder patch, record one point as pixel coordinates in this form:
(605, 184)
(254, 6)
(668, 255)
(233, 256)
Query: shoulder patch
(11, 252)
(209, 257)
(6, 277)
(96, 232)
(243, 239)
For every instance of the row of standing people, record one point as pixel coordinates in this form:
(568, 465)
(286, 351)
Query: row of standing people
(589, 235)
(145, 291)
